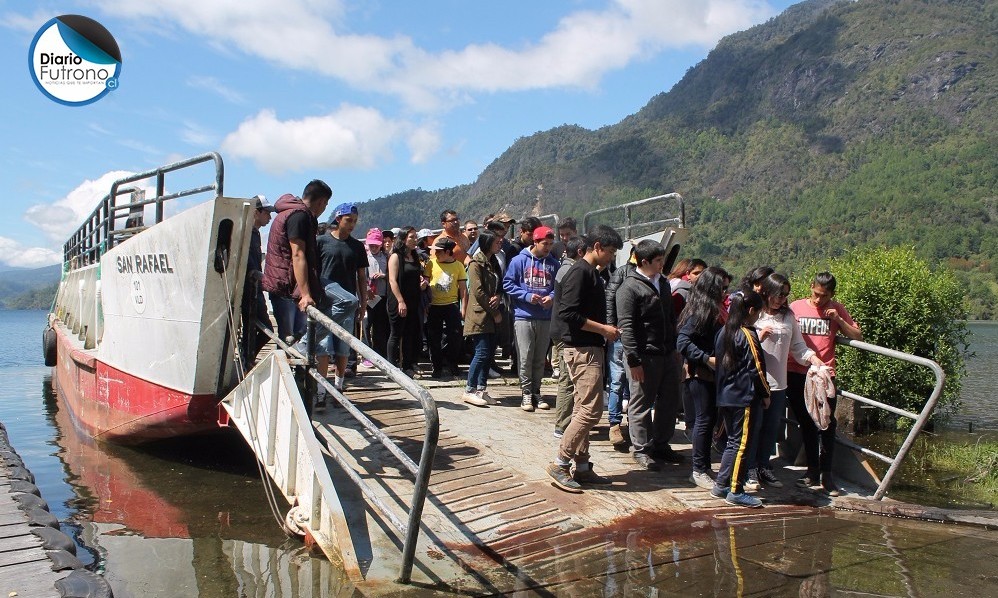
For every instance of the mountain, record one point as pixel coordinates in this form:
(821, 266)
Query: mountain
(837, 124)
(29, 288)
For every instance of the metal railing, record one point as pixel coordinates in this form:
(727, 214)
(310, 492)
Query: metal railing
(920, 418)
(420, 471)
(626, 228)
(99, 232)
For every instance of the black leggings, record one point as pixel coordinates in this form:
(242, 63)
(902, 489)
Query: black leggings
(405, 333)
(819, 445)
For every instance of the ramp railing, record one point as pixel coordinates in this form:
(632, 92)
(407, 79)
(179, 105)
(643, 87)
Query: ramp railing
(267, 409)
(421, 471)
(921, 418)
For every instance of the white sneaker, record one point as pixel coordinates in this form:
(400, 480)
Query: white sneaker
(702, 479)
(542, 404)
(473, 398)
(338, 383)
(489, 398)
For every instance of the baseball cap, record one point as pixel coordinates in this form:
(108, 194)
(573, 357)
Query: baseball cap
(543, 232)
(343, 209)
(504, 218)
(260, 202)
(444, 243)
(423, 233)
(375, 236)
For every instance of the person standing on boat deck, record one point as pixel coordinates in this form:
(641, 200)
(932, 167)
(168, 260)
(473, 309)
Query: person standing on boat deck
(343, 271)
(781, 339)
(699, 323)
(742, 393)
(481, 317)
(471, 232)
(820, 319)
(254, 305)
(648, 336)
(567, 229)
(574, 250)
(291, 273)
(377, 307)
(448, 301)
(529, 282)
(582, 307)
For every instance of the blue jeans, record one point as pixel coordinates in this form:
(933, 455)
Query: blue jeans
(770, 422)
(704, 397)
(344, 312)
(616, 382)
(291, 321)
(478, 371)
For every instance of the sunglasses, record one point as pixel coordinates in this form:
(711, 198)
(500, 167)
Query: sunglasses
(471, 228)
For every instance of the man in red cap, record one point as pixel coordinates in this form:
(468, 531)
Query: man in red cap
(529, 282)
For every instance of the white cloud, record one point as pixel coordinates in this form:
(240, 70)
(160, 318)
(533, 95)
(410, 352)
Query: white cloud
(308, 35)
(61, 218)
(25, 23)
(195, 134)
(15, 254)
(350, 137)
(215, 86)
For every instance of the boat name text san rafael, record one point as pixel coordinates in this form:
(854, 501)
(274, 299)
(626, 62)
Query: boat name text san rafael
(144, 263)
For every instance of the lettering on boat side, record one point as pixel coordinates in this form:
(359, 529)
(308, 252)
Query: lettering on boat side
(144, 263)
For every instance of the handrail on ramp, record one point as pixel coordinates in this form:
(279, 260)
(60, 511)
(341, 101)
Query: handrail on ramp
(420, 471)
(920, 418)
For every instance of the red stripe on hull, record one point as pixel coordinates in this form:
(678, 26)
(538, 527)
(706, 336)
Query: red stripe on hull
(119, 407)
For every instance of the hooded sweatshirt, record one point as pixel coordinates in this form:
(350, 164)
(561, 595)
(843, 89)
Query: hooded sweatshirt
(528, 276)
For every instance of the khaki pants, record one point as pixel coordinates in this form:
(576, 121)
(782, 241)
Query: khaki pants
(585, 365)
(566, 391)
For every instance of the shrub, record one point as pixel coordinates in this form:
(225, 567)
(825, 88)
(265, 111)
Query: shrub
(902, 304)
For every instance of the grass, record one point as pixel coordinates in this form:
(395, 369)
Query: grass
(971, 470)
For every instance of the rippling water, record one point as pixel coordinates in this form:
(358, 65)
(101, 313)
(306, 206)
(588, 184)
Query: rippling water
(979, 409)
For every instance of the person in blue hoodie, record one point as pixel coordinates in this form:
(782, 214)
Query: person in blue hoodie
(529, 282)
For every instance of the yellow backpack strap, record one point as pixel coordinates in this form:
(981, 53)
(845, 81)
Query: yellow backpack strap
(759, 367)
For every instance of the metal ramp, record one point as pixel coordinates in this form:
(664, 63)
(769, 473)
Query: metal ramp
(268, 411)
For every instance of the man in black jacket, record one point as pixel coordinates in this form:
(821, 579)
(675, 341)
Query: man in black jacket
(616, 383)
(648, 335)
(581, 307)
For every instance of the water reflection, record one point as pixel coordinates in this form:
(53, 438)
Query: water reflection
(190, 518)
(181, 518)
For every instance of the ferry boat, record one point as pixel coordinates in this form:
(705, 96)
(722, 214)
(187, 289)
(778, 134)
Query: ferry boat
(142, 332)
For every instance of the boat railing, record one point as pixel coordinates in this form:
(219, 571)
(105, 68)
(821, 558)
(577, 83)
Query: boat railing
(624, 218)
(100, 231)
(421, 471)
(920, 418)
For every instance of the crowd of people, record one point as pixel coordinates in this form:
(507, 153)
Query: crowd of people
(643, 342)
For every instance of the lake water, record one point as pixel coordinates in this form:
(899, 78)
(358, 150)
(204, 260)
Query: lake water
(979, 408)
(190, 517)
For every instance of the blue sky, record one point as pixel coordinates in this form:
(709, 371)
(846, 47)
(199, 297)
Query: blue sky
(373, 97)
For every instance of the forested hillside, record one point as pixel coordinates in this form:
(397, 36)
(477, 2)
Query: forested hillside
(838, 124)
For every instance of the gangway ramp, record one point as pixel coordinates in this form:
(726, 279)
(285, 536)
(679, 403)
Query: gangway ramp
(268, 411)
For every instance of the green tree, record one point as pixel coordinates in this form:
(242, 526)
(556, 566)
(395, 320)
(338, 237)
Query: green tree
(902, 304)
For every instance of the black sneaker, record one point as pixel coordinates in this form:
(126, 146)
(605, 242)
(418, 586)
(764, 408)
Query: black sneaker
(588, 476)
(668, 455)
(769, 479)
(561, 476)
(829, 486)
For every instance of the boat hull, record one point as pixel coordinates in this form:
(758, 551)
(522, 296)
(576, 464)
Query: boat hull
(114, 406)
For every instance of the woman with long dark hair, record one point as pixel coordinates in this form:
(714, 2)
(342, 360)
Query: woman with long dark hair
(781, 338)
(482, 315)
(699, 323)
(742, 394)
(404, 313)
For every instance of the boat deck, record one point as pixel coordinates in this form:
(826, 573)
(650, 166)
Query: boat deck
(493, 522)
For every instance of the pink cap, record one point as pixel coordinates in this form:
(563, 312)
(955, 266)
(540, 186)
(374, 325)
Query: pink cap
(374, 236)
